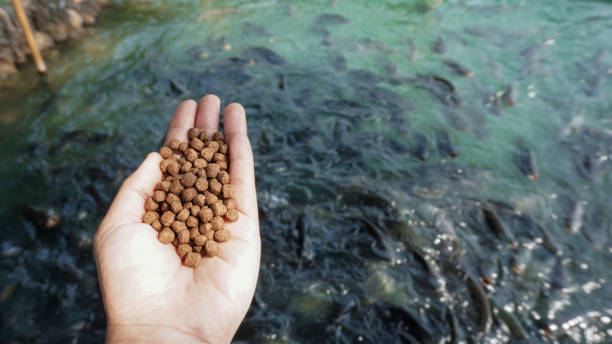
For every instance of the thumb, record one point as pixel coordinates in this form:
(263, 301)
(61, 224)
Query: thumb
(128, 205)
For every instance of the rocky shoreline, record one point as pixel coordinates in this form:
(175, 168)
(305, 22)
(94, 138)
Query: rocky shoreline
(52, 22)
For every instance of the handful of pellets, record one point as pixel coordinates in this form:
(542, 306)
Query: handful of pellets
(189, 205)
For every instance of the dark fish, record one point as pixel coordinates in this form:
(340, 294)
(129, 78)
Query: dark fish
(439, 46)
(441, 88)
(595, 227)
(262, 54)
(509, 97)
(458, 68)
(8, 250)
(177, 88)
(457, 334)
(445, 144)
(331, 19)
(495, 224)
(575, 219)
(44, 217)
(526, 163)
(589, 167)
(559, 277)
(548, 242)
(485, 318)
(364, 77)
(454, 118)
(408, 324)
(530, 52)
(304, 223)
(421, 149)
(281, 82)
(515, 327)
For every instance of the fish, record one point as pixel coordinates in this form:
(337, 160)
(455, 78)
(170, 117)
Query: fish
(421, 149)
(445, 144)
(458, 68)
(439, 46)
(525, 160)
(439, 87)
(484, 306)
(575, 219)
(509, 97)
(457, 334)
(442, 222)
(495, 224)
(548, 242)
(331, 19)
(262, 54)
(516, 329)
(520, 260)
(338, 61)
(363, 76)
(559, 279)
(304, 222)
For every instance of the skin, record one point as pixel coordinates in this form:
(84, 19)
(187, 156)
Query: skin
(149, 296)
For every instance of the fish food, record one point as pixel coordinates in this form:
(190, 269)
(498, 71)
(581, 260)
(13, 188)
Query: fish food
(193, 201)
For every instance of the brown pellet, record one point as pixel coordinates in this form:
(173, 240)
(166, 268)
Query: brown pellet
(156, 225)
(183, 249)
(201, 173)
(174, 168)
(218, 157)
(215, 186)
(167, 218)
(186, 167)
(199, 199)
(201, 184)
(181, 161)
(197, 248)
(222, 235)
(211, 248)
(188, 194)
(196, 144)
(166, 236)
(176, 206)
(217, 136)
(163, 165)
(178, 226)
(228, 191)
(188, 179)
(164, 207)
(222, 165)
(217, 223)
(183, 236)
(170, 197)
(150, 204)
(204, 227)
(176, 187)
(204, 136)
(230, 203)
(218, 209)
(183, 147)
(174, 144)
(212, 170)
(193, 132)
(223, 177)
(231, 215)
(195, 209)
(200, 240)
(191, 221)
(210, 197)
(206, 214)
(163, 186)
(187, 205)
(199, 163)
(207, 154)
(193, 233)
(214, 145)
(192, 259)
(210, 234)
(149, 217)
(223, 148)
(182, 215)
(159, 196)
(165, 152)
(190, 154)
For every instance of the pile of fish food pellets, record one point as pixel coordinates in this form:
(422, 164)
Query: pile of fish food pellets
(194, 199)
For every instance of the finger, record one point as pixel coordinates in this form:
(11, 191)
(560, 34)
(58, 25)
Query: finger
(182, 120)
(242, 174)
(128, 205)
(207, 115)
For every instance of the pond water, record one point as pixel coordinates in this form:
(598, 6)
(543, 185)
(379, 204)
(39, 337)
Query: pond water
(427, 171)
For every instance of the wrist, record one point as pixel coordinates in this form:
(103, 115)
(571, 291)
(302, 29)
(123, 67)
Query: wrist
(149, 334)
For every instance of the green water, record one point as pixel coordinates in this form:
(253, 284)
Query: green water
(115, 80)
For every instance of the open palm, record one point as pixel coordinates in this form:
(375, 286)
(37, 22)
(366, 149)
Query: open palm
(149, 296)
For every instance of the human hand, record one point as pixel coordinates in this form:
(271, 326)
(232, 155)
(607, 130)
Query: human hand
(149, 296)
